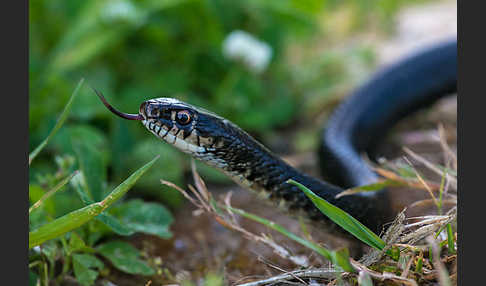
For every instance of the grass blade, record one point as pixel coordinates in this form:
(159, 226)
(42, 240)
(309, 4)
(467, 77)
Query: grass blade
(79, 217)
(119, 191)
(64, 224)
(338, 258)
(59, 123)
(371, 187)
(450, 239)
(342, 218)
(52, 191)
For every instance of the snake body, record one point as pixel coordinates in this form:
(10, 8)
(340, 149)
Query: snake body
(356, 125)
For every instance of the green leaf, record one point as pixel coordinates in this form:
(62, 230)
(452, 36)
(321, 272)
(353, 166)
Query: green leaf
(140, 216)
(77, 244)
(32, 278)
(75, 133)
(418, 266)
(406, 171)
(213, 279)
(119, 191)
(64, 224)
(59, 123)
(125, 257)
(341, 259)
(94, 170)
(378, 186)
(35, 194)
(82, 264)
(450, 239)
(78, 183)
(114, 224)
(107, 219)
(342, 218)
(79, 217)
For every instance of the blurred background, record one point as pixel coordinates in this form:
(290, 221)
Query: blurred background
(276, 68)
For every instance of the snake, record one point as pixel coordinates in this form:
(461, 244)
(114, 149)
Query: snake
(354, 128)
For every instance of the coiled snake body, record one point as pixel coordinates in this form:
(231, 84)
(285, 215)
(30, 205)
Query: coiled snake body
(355, 127)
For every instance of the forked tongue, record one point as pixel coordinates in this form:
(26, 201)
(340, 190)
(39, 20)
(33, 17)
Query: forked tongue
(119, 113)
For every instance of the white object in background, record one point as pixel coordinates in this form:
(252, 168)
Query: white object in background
(120, 10)
(37, 249)
(255, 54)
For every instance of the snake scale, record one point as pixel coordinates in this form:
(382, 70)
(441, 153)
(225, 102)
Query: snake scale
(355, 127)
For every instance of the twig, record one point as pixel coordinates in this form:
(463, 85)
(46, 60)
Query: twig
(183, 192)
(429, 190)
(312, 273)
(384, 275)
(430, 166)
(281, 270)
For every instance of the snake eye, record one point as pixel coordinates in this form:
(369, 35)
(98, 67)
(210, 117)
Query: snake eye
(183, 117)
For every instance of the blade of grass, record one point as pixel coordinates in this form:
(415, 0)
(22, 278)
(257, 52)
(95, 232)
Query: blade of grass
(419, 264)
(270, 224)
(119, 191)
(343, 219)
(338, 258)
(450, 239)
(371, 187)
(441, 192)
(79, 217)
(111, 222)
(59, 123)
(419, 177)
(52, 191)
(64, 224)
(431, 166)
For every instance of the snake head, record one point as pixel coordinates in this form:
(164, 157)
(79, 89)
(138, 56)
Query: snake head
(193, 130)
(190, 129)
